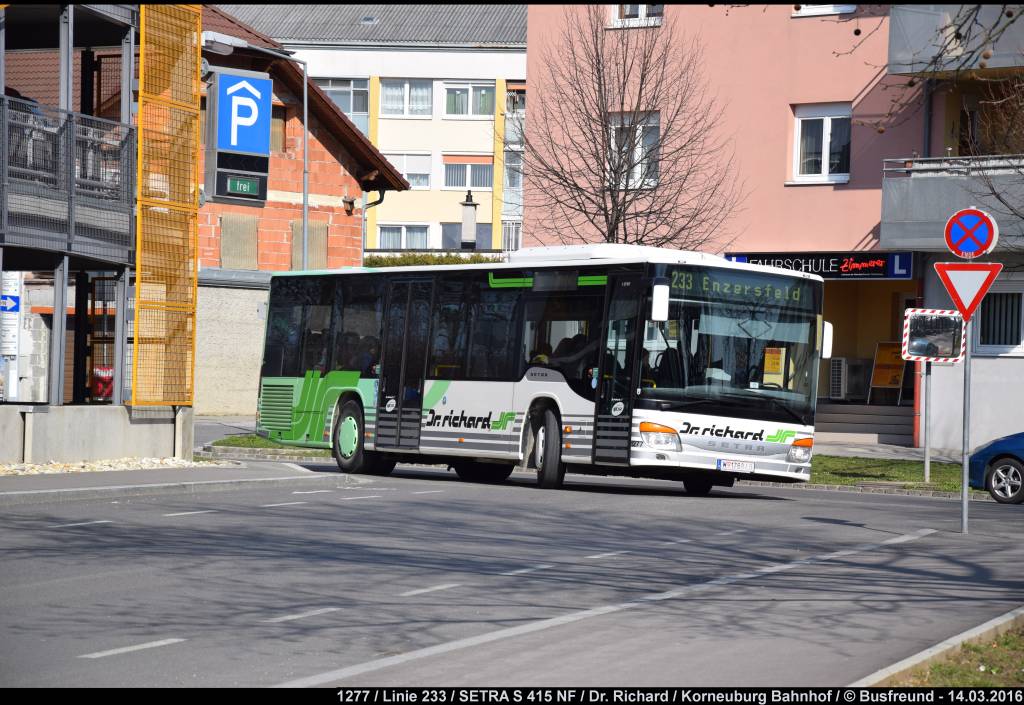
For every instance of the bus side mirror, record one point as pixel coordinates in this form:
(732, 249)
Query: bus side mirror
(659, 302)
(826, 341)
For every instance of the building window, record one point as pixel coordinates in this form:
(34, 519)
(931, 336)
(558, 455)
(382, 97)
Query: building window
(278, 128)
(637, 15)
(821, 143)
(402, 237)
(635, 142)
(511, 235)
(352, 95)
(414, 167)
(819, 10)
(406, 98)
(469, 100)
(473, 172)
(1001, 324)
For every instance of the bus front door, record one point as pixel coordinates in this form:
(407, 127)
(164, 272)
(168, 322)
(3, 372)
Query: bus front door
(406, 331)
(613, 410)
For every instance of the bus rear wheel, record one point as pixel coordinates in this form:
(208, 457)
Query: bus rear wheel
(547, 450)
(348, 448)
(469, 471)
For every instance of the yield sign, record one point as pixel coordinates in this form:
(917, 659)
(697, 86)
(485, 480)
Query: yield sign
(967, 283)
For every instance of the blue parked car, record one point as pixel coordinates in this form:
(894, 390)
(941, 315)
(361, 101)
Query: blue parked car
(999, 468)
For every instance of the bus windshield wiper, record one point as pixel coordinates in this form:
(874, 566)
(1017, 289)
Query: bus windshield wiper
(775, 403)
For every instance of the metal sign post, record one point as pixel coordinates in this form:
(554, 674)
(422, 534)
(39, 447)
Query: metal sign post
(927, 422)
(965, 489)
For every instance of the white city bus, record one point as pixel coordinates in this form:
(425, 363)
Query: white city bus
(596, 359)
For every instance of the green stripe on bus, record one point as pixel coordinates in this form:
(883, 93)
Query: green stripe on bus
(515, 283)
(593, 280)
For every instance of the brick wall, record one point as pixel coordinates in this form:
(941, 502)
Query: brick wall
(329, 182)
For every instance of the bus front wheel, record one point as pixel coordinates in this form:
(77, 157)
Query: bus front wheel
(698, 486)
(547, 450)
(348, 448)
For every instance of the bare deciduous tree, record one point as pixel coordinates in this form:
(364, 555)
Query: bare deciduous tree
(624, 144)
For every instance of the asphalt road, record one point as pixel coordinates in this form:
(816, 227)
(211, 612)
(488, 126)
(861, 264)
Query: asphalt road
(419, 579)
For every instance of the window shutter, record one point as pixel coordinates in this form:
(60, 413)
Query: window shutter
(238, 235)
(317, 248)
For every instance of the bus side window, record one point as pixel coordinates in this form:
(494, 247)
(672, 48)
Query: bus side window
(490, 350)
(450, 328)
(358, 312)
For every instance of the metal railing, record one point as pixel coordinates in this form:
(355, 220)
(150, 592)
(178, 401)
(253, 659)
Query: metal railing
(987, 165)
(67, 181)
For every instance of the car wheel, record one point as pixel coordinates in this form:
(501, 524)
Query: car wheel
(1006, 481)
(547, 450)
(347, 444)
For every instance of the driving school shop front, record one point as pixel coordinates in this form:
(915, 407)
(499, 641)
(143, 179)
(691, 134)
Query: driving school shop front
(866, 393)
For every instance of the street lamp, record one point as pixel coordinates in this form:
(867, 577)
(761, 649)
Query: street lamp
(224, 45)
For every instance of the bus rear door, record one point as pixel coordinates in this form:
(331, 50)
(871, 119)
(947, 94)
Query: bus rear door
(406, 334)
(613, 410)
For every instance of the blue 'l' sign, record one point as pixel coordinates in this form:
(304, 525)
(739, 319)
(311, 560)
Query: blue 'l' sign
(243, 114)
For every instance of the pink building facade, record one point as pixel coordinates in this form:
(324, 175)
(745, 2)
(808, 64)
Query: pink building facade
(793, 81)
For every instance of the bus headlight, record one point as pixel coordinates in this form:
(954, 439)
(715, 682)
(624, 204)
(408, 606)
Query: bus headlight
(800, 451)
(661, 437)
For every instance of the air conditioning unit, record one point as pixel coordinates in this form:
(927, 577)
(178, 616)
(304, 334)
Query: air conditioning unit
(838, 378)
(858, 378)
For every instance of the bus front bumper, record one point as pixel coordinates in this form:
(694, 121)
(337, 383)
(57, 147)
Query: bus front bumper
(726, 466)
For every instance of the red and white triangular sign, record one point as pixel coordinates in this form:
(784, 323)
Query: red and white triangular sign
(967, 283)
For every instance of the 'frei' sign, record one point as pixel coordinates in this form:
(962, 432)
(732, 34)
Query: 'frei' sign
(238, 134)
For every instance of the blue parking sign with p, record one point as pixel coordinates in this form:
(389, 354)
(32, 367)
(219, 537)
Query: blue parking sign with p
(243, 114)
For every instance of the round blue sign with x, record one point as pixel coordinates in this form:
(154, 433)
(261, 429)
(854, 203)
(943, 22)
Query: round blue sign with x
(971, 233)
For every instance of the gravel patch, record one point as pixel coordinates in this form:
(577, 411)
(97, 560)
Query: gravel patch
(108, 466)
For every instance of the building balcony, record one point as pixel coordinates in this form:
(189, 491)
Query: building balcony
(67, 182)
(923, 39)
(919, 196)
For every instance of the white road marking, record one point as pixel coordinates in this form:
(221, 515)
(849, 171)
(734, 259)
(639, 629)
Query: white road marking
(607, 555)
(730, 533)
(369, 496)
(80, 523)
(421, 591)
(543, 624)
(186, 514)
(283, 504)
(524, 571)
(137, 647)
(311, 491)
(429, 492)
(294, 466)
(675, 541)
(301, 615)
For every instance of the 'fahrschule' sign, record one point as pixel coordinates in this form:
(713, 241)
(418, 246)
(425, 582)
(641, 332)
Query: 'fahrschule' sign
(836, 265)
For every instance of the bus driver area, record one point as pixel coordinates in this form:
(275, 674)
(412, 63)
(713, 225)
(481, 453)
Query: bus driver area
(602, 359)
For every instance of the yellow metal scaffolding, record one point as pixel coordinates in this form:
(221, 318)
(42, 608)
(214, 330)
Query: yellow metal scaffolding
(166, 254)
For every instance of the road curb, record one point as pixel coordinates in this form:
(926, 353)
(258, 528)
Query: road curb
(982, 633)
(24, 497)
(975, 496)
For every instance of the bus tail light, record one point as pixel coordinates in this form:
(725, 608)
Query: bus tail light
(800, 451)
(661, 437)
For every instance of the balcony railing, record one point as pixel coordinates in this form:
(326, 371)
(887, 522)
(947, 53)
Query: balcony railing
(986, 165)
(919, 195)
(67, 181)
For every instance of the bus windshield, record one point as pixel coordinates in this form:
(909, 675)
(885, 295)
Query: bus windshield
(736, 343)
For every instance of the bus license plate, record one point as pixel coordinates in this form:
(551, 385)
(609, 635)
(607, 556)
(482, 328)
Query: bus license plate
(736, 465)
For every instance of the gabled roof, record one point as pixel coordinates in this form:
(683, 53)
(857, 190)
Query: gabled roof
(368, 165)
(486, 26)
